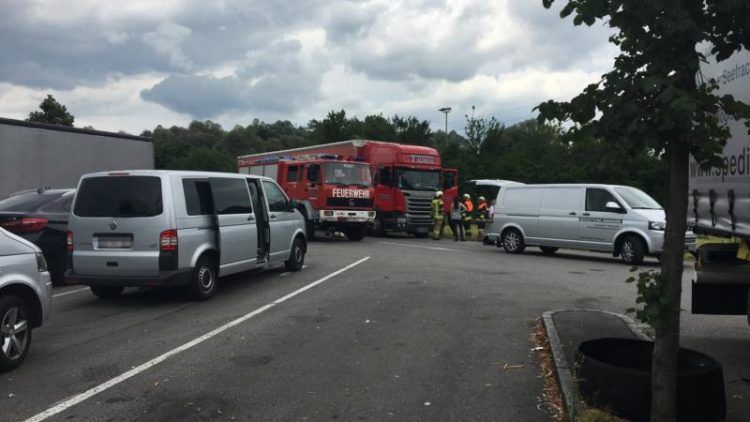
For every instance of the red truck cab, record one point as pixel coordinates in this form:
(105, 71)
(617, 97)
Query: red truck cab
(406, 178)
(333, 194)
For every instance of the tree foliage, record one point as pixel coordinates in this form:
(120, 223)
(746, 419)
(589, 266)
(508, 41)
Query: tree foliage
(652, 101)
(52, 112)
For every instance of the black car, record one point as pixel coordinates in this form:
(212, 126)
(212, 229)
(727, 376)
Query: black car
(41, 216)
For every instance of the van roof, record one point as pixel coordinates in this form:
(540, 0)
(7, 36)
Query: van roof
(570, 185)
(495, 182)
(172, 172)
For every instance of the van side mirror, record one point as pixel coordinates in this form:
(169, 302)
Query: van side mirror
(292, 205)
(613, 206)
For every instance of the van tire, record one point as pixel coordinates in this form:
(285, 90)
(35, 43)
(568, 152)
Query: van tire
(204, 279)
(296, 256)
(513, 241)
(106, 292)
(15, 357)
(632, 250)
(548, 250)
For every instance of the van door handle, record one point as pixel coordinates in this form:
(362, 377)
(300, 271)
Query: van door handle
(251, 218)
(572, 213)
(273, 216)
(586, 214)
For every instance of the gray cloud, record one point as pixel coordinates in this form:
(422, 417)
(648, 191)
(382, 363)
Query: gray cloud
(273, 79)
(240, 56)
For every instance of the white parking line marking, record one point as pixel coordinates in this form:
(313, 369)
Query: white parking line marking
(283, 274)
(66, 404)
(70, 292)
(422, 247)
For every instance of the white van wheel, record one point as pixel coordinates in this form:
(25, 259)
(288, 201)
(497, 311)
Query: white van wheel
(513, 241)
(203, 281)
(632, 251)
(15, 332)
(296, 256)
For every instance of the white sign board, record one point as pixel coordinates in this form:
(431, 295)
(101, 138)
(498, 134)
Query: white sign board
(720, 197)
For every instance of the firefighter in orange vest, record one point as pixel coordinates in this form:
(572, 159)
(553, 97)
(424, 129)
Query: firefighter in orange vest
(468, 214)
(483, 215)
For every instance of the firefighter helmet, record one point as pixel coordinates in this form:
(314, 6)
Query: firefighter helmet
(438, 194)
(467, 196)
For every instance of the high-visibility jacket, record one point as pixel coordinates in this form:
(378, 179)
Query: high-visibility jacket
(469, 206)
(437, 208)
(482, 210)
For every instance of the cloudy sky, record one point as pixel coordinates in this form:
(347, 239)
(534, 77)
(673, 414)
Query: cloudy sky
(133, 64)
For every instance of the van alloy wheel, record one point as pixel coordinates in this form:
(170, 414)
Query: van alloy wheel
(14, 333)
(627, 251)
(513, 241)
(632, 250)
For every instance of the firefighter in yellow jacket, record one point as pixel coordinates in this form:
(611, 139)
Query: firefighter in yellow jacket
(437, 215)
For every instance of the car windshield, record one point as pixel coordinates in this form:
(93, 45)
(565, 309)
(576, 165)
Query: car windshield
(418, 179)
(28, 201)
(637, 199)
(347, 174)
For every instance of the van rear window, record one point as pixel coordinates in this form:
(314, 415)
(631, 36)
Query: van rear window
(119, 196)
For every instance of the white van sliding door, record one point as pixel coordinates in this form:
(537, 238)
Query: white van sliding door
(558, 216)
(237, 233)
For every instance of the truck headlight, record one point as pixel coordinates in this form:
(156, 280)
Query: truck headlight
(657, 225)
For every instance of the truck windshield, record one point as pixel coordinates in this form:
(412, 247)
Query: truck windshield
(637, 199)
(347, 174)
(418, 179)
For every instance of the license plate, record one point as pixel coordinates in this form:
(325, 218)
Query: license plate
(114, 242)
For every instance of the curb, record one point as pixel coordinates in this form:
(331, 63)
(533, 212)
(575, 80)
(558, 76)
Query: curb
(563, 371)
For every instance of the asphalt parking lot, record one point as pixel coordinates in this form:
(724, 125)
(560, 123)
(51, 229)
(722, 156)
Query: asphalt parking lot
(384, 329)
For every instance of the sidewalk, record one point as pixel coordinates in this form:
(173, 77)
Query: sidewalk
(567, 329)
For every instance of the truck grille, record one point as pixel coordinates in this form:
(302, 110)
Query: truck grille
(349, 202)
(418, 209)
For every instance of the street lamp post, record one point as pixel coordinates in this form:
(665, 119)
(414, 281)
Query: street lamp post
(445, 110)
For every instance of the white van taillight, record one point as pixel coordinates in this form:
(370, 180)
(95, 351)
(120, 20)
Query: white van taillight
(69, 241)
(168, 241)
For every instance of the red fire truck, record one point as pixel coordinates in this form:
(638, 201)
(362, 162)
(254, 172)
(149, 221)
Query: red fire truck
(406, 178)
(333, 194)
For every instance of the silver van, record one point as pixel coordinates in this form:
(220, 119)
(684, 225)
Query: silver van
(25, 296)
(169, 228)
(622, 220)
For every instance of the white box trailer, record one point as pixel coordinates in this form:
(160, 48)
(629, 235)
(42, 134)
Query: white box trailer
(719, 205)
(34, 155)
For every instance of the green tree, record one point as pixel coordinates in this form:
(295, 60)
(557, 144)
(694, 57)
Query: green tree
(334, 128)
(410, 130)
(52, 112)
(652, 101)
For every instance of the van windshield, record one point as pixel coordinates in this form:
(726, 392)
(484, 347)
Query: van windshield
(347, 174)
(119, 196)
(637, 199)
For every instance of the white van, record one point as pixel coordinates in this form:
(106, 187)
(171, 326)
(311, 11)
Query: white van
(167, 228)
(622, 220)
